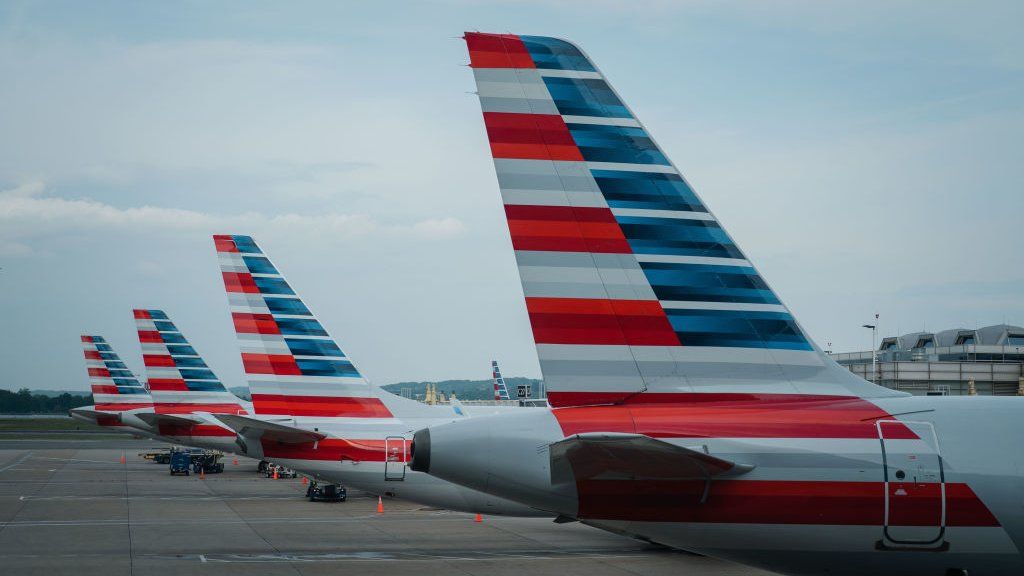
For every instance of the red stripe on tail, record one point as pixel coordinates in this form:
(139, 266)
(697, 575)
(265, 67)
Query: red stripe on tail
(254, 323)
(497, 51)
(240, 282)
(279, 364)
(565, 229)
(530, 137)
(600, 322)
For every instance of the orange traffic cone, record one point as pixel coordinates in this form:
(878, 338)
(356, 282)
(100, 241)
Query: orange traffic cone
(275, 473)
(122, 458)
(478, 518)
(380, 505)
(202, 473)
(235, 462)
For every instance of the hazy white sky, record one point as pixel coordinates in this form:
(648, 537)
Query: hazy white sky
(867, 156)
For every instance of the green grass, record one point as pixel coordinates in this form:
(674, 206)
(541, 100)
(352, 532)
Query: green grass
(44, 424)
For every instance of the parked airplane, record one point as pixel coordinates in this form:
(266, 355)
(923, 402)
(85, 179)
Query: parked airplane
(185, 391)
(500, 390)
(689, 406)
(117, 395)
(313, 410)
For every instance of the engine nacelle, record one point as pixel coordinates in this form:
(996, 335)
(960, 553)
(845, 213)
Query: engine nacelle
(503, 455)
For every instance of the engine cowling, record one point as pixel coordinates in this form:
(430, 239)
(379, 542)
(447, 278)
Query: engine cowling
(503, 455)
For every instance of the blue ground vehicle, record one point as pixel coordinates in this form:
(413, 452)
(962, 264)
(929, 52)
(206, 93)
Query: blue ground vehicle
(181, 461)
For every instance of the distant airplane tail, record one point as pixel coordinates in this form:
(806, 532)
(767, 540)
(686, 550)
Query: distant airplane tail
(500, 390)
(634, 290)
(179, 379)
(293, 366)
(114, 388)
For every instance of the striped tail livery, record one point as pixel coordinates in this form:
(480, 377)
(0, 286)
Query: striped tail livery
(293, 366)
(114, 387)
(500, 389)
(631, 284)
(179, 379)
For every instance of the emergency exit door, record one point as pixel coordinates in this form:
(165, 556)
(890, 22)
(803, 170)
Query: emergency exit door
(915, 489)
(395, 457)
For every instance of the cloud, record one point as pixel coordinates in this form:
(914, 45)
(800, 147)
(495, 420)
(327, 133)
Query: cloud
(27, 213)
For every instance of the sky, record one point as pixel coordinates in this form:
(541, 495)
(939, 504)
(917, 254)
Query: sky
(866, 156)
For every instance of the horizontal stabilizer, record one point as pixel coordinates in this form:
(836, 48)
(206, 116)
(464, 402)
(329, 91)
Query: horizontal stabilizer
(154, 419)
(92, 414)
(618, 456)
(250, 427)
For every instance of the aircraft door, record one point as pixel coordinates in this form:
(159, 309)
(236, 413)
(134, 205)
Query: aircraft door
(915, 490)
(395, 458)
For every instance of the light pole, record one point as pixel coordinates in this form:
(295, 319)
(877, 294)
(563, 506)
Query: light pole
(874, 332)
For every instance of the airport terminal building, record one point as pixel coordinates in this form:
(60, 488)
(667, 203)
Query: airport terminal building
(985, 361)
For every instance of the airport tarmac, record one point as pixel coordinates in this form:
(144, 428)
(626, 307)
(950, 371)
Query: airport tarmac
(71, 505)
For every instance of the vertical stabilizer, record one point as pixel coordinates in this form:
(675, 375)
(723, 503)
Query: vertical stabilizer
(632, 285)
(500, 389)
(293, 366)
(179, 379)
(114, 387)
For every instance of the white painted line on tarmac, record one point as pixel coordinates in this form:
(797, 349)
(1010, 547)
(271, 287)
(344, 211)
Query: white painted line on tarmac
(172, 498)
(207, 521)
(368, 556)
(15, 463)
(77, 460)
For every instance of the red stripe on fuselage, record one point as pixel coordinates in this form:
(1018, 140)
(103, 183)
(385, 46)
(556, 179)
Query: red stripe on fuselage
(195, 431)
(770, 502)
(336, 450)
(731, 416)
(338, 407)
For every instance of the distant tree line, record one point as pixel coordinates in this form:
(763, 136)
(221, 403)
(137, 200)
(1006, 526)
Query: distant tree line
(25, 402)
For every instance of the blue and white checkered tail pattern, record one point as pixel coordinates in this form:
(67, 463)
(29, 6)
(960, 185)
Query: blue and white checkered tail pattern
(293, 366)
(179, 379)
(632, 285)
(114, 387)
(500, 389)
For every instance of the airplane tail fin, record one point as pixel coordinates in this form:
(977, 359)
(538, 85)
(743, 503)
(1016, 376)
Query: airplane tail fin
(633, 287)
(293, 366)
(114, 387)
(500, 389)
(179, 379)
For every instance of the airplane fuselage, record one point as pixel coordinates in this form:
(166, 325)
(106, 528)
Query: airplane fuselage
(906, 485)
(371, 454)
